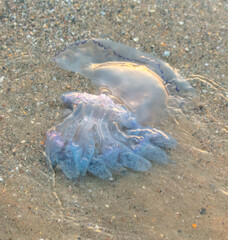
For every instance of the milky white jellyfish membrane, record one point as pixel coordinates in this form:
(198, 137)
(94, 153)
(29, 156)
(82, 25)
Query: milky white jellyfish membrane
(110, 131)
(145, 84)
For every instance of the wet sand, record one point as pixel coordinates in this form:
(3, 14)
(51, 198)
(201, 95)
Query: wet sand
(184, 200)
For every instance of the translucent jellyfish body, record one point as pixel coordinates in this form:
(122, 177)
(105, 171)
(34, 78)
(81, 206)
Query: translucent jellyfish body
(142, 82)
(106, 132)
(101, 136)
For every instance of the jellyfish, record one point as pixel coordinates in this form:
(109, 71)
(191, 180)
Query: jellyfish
(102, 137)
(112, 130)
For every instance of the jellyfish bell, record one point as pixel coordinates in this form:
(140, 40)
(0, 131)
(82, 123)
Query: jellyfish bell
(141, 81)
(140, 89)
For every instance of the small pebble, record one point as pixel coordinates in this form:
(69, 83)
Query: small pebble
(103, 13)
(203, 211)
(194, 225)
(166, 53)
(1, 79)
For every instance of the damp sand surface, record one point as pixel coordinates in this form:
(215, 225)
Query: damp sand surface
(187, 199)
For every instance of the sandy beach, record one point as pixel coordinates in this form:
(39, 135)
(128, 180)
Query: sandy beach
(184, 200)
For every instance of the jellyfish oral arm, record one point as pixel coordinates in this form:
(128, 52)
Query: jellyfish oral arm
(101, 137)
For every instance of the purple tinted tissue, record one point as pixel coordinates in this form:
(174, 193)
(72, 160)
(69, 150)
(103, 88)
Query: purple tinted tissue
(101, 136)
